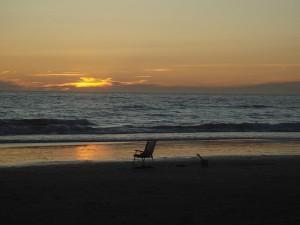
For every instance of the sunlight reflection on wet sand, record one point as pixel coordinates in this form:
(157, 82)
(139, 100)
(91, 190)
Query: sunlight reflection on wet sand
(93, 152)
(117, 151)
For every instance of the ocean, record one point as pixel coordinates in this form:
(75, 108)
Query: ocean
(59, 115)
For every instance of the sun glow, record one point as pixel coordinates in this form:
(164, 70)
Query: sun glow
(92, 82)
(87, 82)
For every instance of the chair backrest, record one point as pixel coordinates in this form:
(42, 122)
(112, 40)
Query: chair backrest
(149, 149)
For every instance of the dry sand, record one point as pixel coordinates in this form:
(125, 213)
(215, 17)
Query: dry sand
(248, 190)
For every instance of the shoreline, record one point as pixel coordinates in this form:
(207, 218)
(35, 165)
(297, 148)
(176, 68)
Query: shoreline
(58, 153)
(103, 138)
(157, 161)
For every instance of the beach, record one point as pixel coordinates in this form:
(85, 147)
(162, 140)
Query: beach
(140, 112)
(232, 190)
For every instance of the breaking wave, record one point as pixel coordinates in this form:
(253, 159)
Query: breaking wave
(44, 126)
(60, 126)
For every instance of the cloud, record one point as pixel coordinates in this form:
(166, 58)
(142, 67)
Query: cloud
(158, 70)
(8, 72)
(21, 84)
(85, 83)
(126, 83)
(5, 72)
(91, 82)
(229, 65)
(144, 76)
(110, 85)
(63, 74)
(11, 84)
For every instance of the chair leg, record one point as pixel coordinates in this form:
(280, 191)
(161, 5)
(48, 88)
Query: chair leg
(133, 162)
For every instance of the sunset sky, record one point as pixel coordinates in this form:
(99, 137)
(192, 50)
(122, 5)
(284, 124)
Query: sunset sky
(75, 44)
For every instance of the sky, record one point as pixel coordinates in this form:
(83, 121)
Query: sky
(103, 44)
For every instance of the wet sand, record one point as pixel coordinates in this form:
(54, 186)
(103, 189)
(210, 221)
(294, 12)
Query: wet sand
(31, 154)
(244, 190)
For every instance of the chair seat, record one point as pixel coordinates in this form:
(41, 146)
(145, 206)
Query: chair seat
(141, 156)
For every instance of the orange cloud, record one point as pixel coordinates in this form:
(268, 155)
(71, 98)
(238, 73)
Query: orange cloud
(158, 70)
(64, 74)
(144, 76)
(8, 72)
(17, 82)
(237, 65)
(85, 82)
(91, 82)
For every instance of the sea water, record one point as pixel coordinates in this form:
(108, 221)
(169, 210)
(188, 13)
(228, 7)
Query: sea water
(38, 113)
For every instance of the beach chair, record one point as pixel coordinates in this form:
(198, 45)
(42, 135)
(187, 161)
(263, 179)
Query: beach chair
(147, 153)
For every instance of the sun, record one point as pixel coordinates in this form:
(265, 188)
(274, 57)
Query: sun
(86, 82)
(89, 82)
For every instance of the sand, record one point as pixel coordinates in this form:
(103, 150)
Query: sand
(245, 190)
